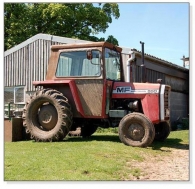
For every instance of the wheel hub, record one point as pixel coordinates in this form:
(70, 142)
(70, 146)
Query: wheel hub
(48, 116)
(136, 132)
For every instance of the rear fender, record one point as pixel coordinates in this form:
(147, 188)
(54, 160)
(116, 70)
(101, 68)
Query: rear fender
(69, 89)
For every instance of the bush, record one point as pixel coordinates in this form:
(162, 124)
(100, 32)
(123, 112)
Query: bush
(180, 124)
(185, 123)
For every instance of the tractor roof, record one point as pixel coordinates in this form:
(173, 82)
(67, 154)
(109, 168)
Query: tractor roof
(86, 45)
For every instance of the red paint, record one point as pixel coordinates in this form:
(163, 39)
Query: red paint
(103, 115)
(150, 105)
(138, 85)
(107, 95)
(73, 89)
(149, 101)
(76, 98)
(47, 82)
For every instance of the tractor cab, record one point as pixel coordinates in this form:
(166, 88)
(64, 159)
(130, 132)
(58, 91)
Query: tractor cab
(88, 61)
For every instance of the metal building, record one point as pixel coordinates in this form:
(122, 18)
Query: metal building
(25, 63)
(28, 62)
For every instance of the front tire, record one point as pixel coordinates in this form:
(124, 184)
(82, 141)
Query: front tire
(47, 116)
(135, 129)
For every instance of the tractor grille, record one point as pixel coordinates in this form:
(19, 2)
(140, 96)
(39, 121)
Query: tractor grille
(167, 102)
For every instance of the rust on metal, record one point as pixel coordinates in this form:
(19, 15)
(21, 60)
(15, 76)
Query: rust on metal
(91, 96)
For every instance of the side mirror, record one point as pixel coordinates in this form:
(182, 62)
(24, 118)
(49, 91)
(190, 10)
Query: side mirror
(89, 55)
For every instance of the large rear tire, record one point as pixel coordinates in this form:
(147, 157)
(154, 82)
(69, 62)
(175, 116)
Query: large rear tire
(47, 116)
(88, 129)
(135, 129)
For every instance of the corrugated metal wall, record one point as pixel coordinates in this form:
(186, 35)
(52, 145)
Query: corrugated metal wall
(176, 77)
(27, 64)
(151, 75)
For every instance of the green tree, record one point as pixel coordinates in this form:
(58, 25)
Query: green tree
(112, 40)
(15, 30)
(74, 20)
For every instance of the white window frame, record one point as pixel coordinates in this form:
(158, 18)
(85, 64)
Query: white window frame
(15, 88)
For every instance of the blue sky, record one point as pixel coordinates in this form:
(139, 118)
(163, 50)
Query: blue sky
(163, 27)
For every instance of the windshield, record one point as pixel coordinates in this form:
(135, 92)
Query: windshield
(76, 64)
(112, 61)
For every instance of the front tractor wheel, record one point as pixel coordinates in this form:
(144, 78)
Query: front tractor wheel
(47, 116)
(135, 129)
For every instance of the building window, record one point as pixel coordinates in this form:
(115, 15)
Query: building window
(15, 95)
(14, 101)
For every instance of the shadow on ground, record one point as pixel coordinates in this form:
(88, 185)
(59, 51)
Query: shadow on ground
(111, 138)
(156, 145)
(170, 143)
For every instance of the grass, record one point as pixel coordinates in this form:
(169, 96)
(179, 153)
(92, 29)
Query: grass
(101, 157)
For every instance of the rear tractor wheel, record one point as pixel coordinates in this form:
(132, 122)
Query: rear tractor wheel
(47, 116)
(162, 131)
(135, 129)
(88, 129)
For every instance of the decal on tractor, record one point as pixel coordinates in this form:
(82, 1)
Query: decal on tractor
(129, 90)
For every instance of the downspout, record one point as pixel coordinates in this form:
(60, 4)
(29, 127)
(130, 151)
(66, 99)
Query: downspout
(130, 59)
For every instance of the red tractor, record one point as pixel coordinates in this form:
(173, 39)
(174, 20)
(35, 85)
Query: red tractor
(85, 88)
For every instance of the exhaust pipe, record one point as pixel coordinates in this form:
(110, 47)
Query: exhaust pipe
(143, 68)
(142, 43)
(130, 59)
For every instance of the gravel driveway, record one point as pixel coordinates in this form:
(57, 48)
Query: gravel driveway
(175, 166)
